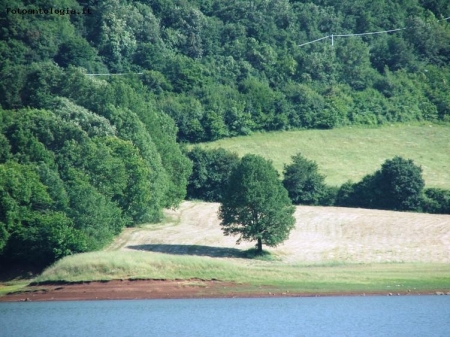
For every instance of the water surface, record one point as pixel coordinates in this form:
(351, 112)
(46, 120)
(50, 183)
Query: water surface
(316, 316)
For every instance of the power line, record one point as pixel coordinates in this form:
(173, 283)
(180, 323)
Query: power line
(304, 44)
(370, 33)
(332, 36)
(121, 74)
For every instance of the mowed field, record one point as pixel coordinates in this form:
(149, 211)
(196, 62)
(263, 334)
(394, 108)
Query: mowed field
(331, 250)
(351, 153)
(322, 235)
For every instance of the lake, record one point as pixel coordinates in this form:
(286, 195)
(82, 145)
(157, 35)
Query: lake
(310, 316)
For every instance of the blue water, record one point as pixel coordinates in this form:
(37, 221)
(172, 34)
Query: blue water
(318, 316)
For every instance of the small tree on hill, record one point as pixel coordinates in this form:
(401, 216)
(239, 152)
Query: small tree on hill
(256, 206)
(401, 184)
(303, 182)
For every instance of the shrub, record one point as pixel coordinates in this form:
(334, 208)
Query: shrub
(400, 182)
(436, 200)
(397, 186)
(303, 182)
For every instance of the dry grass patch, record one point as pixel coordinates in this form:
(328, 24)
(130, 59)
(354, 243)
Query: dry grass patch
(321, 235)
(338, 250)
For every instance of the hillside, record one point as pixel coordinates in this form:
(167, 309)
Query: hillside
(351, 153)
(96, 99)
(227, 68)
(331, 250)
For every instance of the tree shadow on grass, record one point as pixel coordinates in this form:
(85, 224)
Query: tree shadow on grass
(13, 272)
(191, 250)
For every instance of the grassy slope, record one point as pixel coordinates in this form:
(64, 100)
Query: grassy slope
(281, 276)
(331, 250)
(351, 153)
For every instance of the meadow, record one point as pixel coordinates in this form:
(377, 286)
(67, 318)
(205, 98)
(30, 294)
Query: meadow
(350, 153)
(330, 250)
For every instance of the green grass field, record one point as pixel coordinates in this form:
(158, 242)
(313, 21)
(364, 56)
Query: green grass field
(13, 286)
(323, 278)
(351, 153)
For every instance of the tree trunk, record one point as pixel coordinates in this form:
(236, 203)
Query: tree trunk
(259, 250)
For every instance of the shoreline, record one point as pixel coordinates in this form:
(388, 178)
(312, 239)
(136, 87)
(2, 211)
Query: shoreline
(173, 289)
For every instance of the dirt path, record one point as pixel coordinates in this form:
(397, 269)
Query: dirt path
(126, 289)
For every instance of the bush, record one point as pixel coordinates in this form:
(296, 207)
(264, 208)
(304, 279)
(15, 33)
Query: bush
(329, 196)
(436, 200)
(401, 185)
(397, 186)
(344, 194)
(303, 182)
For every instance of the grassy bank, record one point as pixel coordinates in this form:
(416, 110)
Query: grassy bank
(331, 250)
(12, 286)
(351, 153)
(316, 278)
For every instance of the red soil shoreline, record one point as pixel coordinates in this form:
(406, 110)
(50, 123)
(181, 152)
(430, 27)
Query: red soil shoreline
(165, 289)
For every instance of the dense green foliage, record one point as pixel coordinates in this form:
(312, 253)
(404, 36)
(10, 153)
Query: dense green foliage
(210, 173)
(256, 206)
(398, 185)
(224, 68)
(436, 200)
(71, 179)
(303, 182)
(82, 156)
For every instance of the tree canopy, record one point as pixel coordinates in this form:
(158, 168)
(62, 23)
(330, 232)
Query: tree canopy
(303, 182)
(210, 174)
(256, 206)
(71, 178)
(226, 68)
(398, 185)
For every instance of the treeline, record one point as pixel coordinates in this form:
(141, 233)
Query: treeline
(82, 156)
(226, 68)
(71, 178)
(398, 185)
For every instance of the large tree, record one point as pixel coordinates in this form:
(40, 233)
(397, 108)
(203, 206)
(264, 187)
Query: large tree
(256, 206)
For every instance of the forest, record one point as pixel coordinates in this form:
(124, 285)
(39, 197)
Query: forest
(96, 107)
